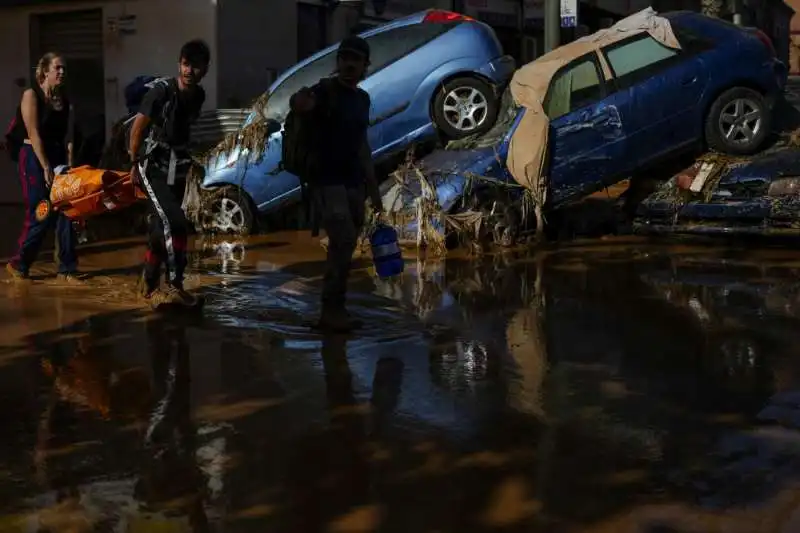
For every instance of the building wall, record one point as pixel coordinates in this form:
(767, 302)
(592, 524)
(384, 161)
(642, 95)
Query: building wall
(153, 49)
(255, 44)
(794, 42)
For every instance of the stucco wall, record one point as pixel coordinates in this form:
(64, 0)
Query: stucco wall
(257, 40)
(153, 49)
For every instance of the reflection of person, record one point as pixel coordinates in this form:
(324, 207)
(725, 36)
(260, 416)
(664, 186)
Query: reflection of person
(168, 109)
(84, 379)
(42, 129)
(339, 192)
(332, 473)
(171, 486)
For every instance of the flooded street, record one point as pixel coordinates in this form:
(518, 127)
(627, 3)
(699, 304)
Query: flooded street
(601, 386)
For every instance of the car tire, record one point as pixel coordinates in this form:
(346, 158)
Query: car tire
(464, 106)
(230, 210)
(728, 128)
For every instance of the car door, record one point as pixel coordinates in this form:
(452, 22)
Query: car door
(664, 88)
(587, 135)
(397, 68)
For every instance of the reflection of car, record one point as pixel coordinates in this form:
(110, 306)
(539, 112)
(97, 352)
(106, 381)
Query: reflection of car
(432, 69)
(761, 197)
(717, 90)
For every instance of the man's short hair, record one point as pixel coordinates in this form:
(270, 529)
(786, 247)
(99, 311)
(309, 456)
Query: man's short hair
(196, 52)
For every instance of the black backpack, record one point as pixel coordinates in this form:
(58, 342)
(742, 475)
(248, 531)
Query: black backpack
(158, 129)
(15, 137)
(301, 136)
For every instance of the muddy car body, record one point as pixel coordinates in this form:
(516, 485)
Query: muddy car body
(432, 70)
(717, 90)
(759, 197)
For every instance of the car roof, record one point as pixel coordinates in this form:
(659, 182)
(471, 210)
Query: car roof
(409, 20)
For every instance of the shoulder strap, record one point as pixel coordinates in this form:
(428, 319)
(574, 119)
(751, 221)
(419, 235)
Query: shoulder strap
(329, 94)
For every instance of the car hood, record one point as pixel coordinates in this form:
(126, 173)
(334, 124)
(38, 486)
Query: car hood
(778, 164)
(447, 171)
(748, 179)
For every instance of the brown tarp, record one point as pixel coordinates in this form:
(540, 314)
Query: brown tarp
(530, 84)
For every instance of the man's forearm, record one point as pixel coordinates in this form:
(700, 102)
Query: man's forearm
(137, 130)
(369, 175)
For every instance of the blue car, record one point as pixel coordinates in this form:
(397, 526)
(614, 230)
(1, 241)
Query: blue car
(761, 197)
(716, 92)
(432, 70)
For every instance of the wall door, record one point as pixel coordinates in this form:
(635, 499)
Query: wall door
(78, 36)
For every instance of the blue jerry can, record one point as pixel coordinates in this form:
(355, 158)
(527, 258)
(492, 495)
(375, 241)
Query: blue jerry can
(386, 253)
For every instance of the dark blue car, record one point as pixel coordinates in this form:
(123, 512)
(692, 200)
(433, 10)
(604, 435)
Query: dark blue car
(716, 92)
(760, 197)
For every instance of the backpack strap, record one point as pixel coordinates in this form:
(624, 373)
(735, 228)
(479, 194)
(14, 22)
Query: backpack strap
(329, 95)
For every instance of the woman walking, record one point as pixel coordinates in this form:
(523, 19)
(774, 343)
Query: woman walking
(42, 132)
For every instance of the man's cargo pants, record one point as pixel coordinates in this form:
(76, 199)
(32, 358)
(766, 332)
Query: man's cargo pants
(168, 226)
(341, 211)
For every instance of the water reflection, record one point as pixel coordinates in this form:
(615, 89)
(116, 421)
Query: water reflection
(343, 477)
(139, 420)
(482, 395)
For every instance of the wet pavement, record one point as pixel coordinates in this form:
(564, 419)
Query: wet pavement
(614, 385)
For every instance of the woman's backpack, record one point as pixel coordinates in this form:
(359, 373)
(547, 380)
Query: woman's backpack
(15, 137)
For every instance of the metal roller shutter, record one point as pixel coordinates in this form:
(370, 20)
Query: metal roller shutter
(76, 34)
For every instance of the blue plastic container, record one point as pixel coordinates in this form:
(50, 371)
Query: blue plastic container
(386, 253)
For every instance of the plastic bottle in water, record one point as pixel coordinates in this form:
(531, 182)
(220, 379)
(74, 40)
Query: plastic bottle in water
(386, 253)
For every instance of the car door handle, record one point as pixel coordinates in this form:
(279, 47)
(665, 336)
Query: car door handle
(688, 81)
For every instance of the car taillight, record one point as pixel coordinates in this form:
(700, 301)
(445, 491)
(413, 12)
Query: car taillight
(766, 41)
(438, 16)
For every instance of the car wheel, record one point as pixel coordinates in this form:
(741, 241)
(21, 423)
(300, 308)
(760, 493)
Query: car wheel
(738, 122)
(229, 210)
(464, 106)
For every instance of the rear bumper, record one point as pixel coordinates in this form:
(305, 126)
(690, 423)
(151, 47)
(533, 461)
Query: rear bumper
(499, 69)
(650, 228)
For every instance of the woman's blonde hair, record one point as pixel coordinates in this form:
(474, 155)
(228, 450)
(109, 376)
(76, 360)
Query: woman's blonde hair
(44, 65)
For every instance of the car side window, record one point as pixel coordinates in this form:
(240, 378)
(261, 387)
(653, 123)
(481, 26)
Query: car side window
(638, 59)
(574, 87)
(306, 76)
(388, 46)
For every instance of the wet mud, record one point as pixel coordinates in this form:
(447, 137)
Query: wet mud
(615, 385)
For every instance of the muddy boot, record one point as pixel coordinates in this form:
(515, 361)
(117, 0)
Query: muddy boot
(171, 297)
(337, 320)
(16, 275)
(70, 278)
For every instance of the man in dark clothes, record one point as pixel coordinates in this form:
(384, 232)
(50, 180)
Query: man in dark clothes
(340, 110)
(161, 167)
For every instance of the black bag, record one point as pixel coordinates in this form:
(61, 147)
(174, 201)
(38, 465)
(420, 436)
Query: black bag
(15, 137)
(301, 137)
(158, 129)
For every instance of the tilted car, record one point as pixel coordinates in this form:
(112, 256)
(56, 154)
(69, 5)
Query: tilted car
(432, 70)
(716, 91)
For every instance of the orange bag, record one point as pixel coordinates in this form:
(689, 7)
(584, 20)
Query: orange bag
(85, 191)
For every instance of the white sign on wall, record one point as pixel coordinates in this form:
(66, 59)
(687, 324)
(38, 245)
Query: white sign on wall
(569, 13)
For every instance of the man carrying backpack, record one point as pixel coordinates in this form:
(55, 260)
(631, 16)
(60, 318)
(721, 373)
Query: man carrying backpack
(158, 148)
(338, 168)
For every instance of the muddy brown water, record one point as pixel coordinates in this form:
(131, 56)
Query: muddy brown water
(612, 385)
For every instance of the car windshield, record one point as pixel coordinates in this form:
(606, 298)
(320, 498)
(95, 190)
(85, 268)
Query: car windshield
(505, 119)
(278, 104)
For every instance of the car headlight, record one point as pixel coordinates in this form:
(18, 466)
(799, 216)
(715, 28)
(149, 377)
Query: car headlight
(784, 187)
